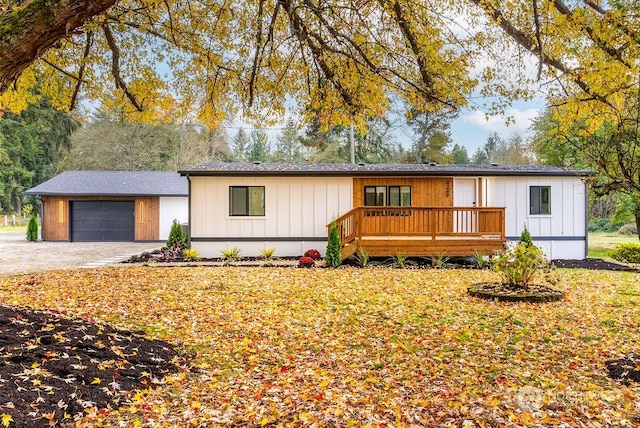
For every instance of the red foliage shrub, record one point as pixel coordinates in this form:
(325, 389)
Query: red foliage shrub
(305, 261)
(314, 254)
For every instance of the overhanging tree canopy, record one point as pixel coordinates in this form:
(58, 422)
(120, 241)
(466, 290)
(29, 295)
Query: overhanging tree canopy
(150, 60)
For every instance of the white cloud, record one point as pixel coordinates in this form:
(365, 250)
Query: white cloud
(472, 129)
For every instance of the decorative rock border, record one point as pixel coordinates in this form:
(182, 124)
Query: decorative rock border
(506, 293)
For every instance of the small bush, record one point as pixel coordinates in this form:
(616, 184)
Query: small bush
(32, 229)
(306, 262)
(191, 255)
(628, 253)
(440, 260)
(314, 254)
(362, 256)
(176, 237)
(168, 254)
(400, 259)
(267, 253)
(231, 254)
(601, 225)
(628, 229)
(518, 264)
(525, 237)
(480, 259)
(333, 256)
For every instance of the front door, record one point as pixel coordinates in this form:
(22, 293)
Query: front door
(464, 195)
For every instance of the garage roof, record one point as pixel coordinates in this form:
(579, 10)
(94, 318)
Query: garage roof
(113, 183)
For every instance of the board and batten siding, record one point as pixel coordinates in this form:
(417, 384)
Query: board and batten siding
(296, 214)
(172, 208)
(561, 234)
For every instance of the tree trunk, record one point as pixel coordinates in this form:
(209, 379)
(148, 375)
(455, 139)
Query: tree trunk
(28, 31)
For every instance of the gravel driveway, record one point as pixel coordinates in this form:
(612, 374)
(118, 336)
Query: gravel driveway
(18, 256)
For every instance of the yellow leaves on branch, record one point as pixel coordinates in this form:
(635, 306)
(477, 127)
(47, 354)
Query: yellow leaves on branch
(360, 347)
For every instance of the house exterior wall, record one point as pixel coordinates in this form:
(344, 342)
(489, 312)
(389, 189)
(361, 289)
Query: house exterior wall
(297, 211)
(55, 215)
(562, 233)
(172, 208)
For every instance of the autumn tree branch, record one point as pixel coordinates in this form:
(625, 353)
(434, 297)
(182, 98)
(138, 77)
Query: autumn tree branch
(115, 67)
(34, 27)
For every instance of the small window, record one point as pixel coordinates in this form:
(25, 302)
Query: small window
(399, 196)
(375, 196)
(246, 201)
(539, 200)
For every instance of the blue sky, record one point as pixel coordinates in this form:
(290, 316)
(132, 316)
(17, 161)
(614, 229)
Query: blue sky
(472, 128)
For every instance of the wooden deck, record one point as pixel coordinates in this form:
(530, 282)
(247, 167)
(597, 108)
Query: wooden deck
(421, 231)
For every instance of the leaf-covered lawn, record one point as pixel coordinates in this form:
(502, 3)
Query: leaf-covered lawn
(360, 347)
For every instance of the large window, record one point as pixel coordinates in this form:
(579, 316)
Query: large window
(246, 200)
(539, 200)
(387, 196)
(392, 196)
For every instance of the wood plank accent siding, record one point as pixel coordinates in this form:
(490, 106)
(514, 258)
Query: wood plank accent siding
(147, 212)
(56, 219)
(425, 191)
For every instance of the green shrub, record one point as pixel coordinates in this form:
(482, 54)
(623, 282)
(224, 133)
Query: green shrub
(525, 237)
(440, 260)
(191, 255)
(628, 253)
(176, 237)
(400, 259)
(32, 229)
(231, 254)
(518, 264)
(362, 256)
(480, 259)
(333, 256)
(267, 253)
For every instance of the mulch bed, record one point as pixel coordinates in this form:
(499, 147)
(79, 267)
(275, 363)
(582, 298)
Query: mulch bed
(535, 293)
(597, 264)
(625, 369)
(56, 368)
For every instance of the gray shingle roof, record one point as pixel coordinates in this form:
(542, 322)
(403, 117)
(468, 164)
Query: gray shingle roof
(113, 183)
(280, 169)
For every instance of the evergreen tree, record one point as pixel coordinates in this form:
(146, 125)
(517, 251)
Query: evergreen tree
(333, 256)
(259, 147)
(288, 147)
(32, 229)
(459, 155)
(240, 146)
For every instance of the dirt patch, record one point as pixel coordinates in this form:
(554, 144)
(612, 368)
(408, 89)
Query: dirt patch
(56, 368)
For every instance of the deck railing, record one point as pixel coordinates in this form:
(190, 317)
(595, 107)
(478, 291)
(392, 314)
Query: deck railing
(427, 222)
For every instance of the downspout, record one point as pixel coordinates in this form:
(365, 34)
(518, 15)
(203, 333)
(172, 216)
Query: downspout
(586, 219)
(189, 210)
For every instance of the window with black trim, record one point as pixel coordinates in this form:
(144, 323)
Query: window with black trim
(387, 196)
(246, 201)
(539, 200)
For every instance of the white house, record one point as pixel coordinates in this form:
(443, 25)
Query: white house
(386, 209)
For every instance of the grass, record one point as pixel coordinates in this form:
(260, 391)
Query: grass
(601, 242)
(360, 347)
(14, 229)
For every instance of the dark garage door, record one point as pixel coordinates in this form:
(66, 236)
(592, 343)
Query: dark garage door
(93, 221)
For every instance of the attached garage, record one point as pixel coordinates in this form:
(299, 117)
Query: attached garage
(111, 206)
